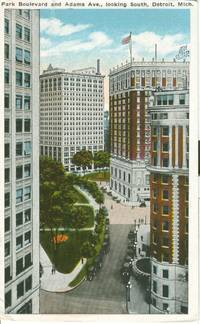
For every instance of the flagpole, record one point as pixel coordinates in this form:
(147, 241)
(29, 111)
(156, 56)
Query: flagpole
(130, 47)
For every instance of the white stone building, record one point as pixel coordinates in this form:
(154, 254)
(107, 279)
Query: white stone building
(71, 113)
(21, 163)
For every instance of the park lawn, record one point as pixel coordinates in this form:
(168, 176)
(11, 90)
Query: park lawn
(68, 252)
(98, 176)
(78, 196)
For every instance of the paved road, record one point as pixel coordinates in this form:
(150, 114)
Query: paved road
(104, 295)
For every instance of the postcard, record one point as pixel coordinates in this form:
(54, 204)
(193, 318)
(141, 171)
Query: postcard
(99, 190)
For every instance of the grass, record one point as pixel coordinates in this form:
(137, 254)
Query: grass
(98, 176)
(68, 252)
(78, 196)
(78, 278)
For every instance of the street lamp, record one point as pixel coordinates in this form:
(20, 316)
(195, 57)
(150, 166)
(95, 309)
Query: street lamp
(128, 294)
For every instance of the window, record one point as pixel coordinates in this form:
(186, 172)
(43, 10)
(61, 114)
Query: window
(19, 79)
(27, 80)
(186, 211)
(19, 55)
(27, 14)
(165, 194)
(19, 196)
(27, 34)
(7, 199)
(165, 210)
(155, 207)
(154, 302)
(19, 149)
(19, 172)
(184, 310)
(26, 308)
(27, 215)
(7, 175)
(8, 276)
(165, 147)
(165, 291)
(7, 150)
(154, 286)
(19, 242)
(27, 170)
(19, 219)
(27, 57)
(165, 179)
(165, 131)
(18, 102)
(27, 148)
(27, 125)
(170, 99)
(7, 249)
(6, 125)
(6, 76)
(18, 31)
(20, 289)
(19, 12)
(165, 241)
(182, 99)
(19, 266)
(154, 131)
(165, 273)
(27, 193)
(27, 103)
(165, 257)
(28, 261)
(28, 283)
(6, 101)
(165, 226)
(27, 237)
(6, 26)
(7, 224)
(165, 162)
(18, 125)
(6, 51)
(154, 269)
(8, 299)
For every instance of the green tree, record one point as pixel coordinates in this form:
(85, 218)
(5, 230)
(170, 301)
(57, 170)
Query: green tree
(101, 159)
(87, 250)
(83, 159)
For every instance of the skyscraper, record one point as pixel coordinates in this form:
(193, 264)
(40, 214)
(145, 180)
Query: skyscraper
(21, 112)
(131, 86)
(169, 201)
(71, 113)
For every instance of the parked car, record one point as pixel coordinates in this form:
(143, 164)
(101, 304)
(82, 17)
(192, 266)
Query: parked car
(91, 273)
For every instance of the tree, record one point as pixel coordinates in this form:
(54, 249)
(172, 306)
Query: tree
(83, 159)
(101, 159)
(87, 250)
(79, 217)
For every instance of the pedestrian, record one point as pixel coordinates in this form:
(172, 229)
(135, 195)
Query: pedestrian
(111, 206)
(52, 270)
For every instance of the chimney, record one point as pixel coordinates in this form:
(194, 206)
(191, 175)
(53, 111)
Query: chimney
(98, 66)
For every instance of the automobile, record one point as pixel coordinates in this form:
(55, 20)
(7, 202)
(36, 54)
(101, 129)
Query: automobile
(98, 262)
(105, 210)
(91, 273)
(142, 204)
(106, 247)
(107, 221)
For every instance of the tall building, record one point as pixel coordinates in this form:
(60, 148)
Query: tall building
(169, 201)
(71, 113)
(106, 131)
(21, 112)
(131, 86)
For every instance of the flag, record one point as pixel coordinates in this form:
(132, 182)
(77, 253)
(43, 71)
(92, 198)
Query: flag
(126, 40)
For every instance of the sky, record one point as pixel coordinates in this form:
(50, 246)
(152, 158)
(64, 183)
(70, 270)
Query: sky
(75, 38)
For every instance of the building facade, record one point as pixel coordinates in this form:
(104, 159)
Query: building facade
(71, 113)
(131, 86)
(169, 201)
(106, 131)
(21, 152)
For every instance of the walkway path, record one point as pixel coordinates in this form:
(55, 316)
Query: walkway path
(57, 282)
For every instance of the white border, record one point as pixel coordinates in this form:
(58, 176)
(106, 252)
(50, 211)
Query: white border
(193, 204)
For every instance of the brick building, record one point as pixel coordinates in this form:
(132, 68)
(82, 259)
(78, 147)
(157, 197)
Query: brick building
(169, 201)
(131, 86)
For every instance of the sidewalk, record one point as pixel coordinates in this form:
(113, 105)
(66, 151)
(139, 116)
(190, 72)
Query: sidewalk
(89, 197)
(137, 304)
(58, 282)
